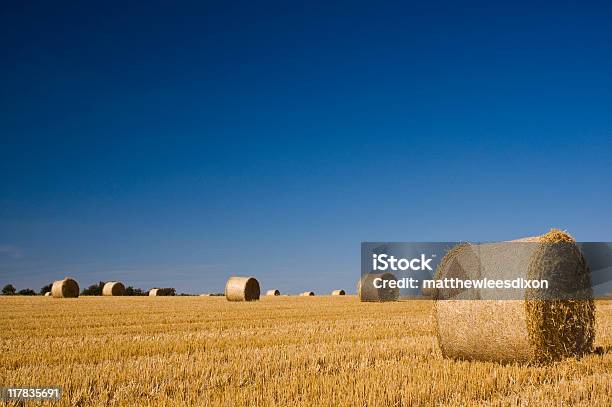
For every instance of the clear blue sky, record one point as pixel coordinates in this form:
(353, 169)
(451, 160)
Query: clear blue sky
(169, 145)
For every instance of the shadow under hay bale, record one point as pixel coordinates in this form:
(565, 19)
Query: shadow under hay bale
(338, 292)
(113, 288)
(503, 326)
(66, 288)
(272, 293)
(368, 292)
(242, 289)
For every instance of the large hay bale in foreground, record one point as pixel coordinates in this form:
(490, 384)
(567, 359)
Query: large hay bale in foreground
(338, 292)
(113, 288)
(242, 289)
(307, 294)
(529, 325)
(272, 292)
(368, 292)
(66, 288)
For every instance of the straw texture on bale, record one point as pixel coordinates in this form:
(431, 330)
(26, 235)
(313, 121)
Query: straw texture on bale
(242, 289)
(506, 327)
(367, 292)
(66, 288)
(272, 292)
(338, 292)
(113, 288)
(307, 294)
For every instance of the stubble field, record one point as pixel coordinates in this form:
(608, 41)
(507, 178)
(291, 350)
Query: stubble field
(278, 351)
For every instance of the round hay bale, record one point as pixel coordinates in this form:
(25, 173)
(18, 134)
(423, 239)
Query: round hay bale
(113, 288)
(338, 292)
(48, 294)
(242, 289)
(503, 326)
(272, 292)
(307, 294)
(153, 292)
(367, 292)
(66, 288)
(428, 292)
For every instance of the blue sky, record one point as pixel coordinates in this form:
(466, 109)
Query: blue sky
(174, 145)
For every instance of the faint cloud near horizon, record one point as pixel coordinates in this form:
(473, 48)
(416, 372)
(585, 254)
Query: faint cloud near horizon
(12, 251)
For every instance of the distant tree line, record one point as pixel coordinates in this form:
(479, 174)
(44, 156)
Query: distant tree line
(10, 289)
(94, 289)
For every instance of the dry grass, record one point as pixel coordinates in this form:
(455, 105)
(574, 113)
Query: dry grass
(277, 351)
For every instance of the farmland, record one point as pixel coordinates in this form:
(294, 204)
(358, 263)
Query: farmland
(278, 351)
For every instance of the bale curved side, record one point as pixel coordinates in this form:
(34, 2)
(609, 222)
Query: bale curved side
(242, 289)
(153, 292)
(113, 288)
(529, 328)
(66, 288)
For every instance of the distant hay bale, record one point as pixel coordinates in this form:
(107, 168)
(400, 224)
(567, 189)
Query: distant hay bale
(338, 292)
(242, 289)
(48, 294)
(428, 292)
(113, 288)
(66, 288)
(307, 294)
(525, 327)
(161, 292)
(367, 292)
(272, 292)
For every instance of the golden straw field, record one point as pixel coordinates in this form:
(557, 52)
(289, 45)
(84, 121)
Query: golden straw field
(280, 351)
